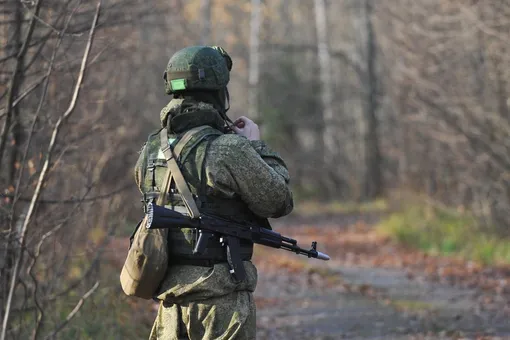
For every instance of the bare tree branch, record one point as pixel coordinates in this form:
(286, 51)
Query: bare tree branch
(45, 78)
(73, 201)
(38, 305)
(59, 32)
(73, 312)
(46, 165)
(25, 93)
(13, 81)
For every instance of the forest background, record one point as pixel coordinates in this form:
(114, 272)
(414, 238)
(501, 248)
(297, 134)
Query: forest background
(385, 101)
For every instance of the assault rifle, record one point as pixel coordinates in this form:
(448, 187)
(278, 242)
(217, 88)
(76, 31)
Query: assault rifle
(230, 234)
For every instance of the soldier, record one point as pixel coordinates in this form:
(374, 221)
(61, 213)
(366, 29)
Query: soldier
(231, 173)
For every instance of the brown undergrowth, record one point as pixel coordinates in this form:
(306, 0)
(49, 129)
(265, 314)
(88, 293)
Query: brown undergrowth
(359, 244)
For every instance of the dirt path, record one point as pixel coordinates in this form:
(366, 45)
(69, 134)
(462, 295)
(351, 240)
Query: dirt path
(371, 289)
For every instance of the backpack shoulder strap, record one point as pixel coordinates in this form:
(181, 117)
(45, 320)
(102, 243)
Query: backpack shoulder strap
(186, 138)
(174, 172)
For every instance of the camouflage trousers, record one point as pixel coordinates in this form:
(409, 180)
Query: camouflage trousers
(231, 316)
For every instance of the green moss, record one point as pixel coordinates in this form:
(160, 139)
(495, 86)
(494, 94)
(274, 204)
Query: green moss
(440, 231)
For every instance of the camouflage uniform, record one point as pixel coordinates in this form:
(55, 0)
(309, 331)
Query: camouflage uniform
(205, 302)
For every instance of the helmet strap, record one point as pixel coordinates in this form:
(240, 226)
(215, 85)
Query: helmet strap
(227, 100)
(228, 122)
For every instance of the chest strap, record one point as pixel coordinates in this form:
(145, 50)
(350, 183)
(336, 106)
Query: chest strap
(176, 174)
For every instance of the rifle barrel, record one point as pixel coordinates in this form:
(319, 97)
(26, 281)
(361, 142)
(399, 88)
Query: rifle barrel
(310, 253)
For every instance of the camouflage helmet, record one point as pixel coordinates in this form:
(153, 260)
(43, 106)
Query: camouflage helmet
(198, 68)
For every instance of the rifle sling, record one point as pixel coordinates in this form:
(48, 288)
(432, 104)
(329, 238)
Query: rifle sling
(234, 258)
(174, 171)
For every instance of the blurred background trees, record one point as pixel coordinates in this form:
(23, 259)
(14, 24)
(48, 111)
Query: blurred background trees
(362, 98)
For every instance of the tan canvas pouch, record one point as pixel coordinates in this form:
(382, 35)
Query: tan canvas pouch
(146, 262)
(147, 259)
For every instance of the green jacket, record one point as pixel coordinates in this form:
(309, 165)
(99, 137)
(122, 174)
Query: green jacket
(235, 168)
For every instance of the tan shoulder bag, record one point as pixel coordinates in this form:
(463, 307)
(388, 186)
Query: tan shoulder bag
(147, 259)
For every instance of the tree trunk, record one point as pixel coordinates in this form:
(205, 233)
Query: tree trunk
(326, 80)
(253, 71)
(14, 34)
(373, 178)
(205, 14)
(11, 122)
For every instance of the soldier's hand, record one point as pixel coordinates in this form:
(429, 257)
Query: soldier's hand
(246, 127)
